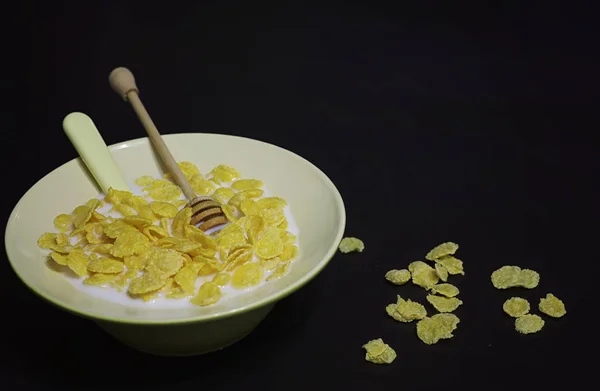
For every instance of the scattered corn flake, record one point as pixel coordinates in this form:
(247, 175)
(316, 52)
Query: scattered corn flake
(452, 264)
(224, 173)
(144, 180)
(209, 293)
(398, 277)
(289, 252)
(350, 244)
(444, 304)
(63, 222)
(164, 261)
(271, 202)
(516, 307)
(148, 282)
(422, 274)
(202, 186)
(528, 324)
(445, 289)
(186, 277)
(130, 243)
(59, 258)
(441, 271)
(379, 352)
(163, 209)
(406, 310)
(513, 276)
(223, 194)
(247, 275)
(105, 266)
(77, 261)
(552, 306)
(448, 248)
(270, 264)
(439, 326)
(245, 184)
(279, 271)
(222, 279)
(47, 240)
(100, 279)
(269, 245)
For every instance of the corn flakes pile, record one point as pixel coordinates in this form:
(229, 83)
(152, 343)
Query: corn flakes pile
(150, 249)
(510, 276)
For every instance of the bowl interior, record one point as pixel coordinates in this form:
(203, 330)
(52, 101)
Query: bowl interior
(315, 204)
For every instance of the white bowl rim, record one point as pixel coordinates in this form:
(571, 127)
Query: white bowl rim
(288, 290)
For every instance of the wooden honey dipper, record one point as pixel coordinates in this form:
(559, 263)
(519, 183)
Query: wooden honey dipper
(206, 212)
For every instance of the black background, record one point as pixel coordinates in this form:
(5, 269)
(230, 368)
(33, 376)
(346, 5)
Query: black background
(471, 123)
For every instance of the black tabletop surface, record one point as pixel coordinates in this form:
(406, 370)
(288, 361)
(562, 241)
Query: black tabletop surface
(444, 123)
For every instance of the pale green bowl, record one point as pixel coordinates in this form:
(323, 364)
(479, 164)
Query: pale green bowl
(314, 201)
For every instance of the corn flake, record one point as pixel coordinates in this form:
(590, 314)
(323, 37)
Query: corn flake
(448, 248)
(280, 270)
(516, 307)
(528, 324)
(406, 310)
(398, 277)
(444, 304)
(209, 293)
(245, 184)
(59, 258)
(77, 261)
(163, 209)
(100, 279)
(513, 276)
(186, 277)
(150, 281)
(446, 289)
(144, 180)
(439, 326)
(224, 173)
(441, 271)
(63, 222)
(130, 243)
(423, 275)
(350, 244)
(269, 245)
(452, 264)
(379, 352)
(222, 279)
(164, 261)
(552, 306)
(247, 275)
(105, 266)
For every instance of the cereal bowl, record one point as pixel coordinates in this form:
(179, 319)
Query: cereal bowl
(313, 201)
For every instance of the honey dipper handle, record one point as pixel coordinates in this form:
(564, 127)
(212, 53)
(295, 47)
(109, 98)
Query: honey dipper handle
(123, 82)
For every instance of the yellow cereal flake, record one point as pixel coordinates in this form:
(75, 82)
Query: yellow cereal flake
(379, 352)
(444, 304)
(552, 306)
(247, 275)
(439, 326)
(513, 276)
(224, 173)
(148, 282)
(223, 194)
(289, 252)
(441, 271)
(222, 279)
(163, 209)
(164, 261)
(423, 275)
(448, 248)
(406, 310)
(271, 202)
(144, 180)
(398, 277)
(230, 212)
(238, 198)
(445, 289)
(103, 248)
(245, 184)
(59, 258)
(269, 245)
(63, 222)
(130, 243)
(272, 216)
(516, 307)
(137, 262)
(280, 270)
(186, 277)
(350, 244)
(105, 266)
(270, 264)
(181, 220)
(209, 293)
(254, 226)
(452, 264)
(77, 261)
(100, 279)
(528, 324)
(202, 186)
